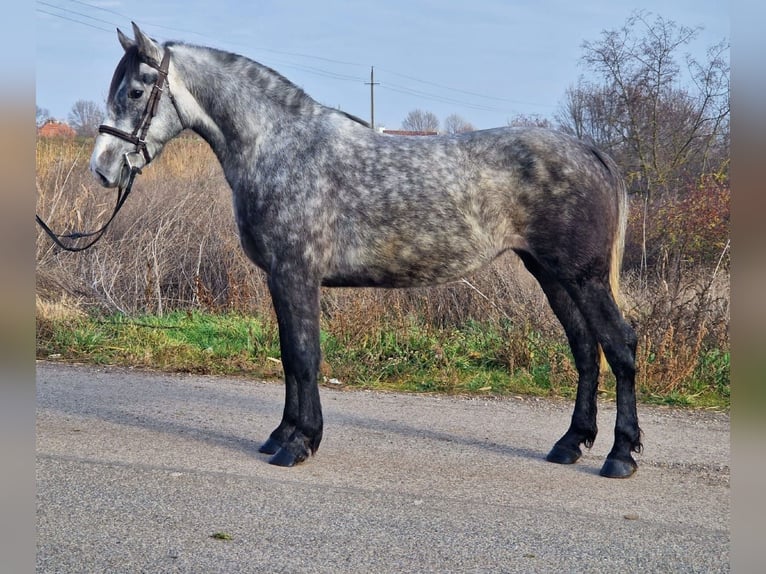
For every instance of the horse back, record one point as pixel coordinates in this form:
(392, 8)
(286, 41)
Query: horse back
(424, 210)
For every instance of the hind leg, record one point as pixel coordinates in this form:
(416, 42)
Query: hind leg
(582, 341)
(618, 340)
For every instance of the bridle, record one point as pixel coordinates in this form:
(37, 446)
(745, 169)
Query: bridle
(138, 135)
(138, 138)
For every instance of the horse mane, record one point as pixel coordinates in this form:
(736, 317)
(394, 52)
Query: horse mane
(354, 118)
(265, 77)
(269, 80)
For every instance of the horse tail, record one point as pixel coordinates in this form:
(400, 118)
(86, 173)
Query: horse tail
(618, 240)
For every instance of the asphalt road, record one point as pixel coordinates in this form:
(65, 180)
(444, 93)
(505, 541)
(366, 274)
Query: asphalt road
(137, 471)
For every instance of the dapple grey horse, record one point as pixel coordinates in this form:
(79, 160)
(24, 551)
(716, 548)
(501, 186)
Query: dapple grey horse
(321, 199)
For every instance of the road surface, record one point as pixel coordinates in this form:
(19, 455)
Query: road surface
(148, 472)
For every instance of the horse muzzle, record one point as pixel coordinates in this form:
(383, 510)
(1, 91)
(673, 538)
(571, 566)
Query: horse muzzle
(111, 170)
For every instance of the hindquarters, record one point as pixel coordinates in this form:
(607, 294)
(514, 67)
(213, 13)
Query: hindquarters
(574, 205)
(576, 208)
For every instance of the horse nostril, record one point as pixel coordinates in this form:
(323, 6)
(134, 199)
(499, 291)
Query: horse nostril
(101, 178)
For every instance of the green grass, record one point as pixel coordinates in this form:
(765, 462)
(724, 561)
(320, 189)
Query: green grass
(179, 341)
(708, 388)
(222, 536)
(475, 359)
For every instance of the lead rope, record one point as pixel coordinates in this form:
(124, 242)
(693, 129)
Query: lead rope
(122, 195)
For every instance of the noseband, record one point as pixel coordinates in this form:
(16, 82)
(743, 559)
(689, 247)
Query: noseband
(138, 138)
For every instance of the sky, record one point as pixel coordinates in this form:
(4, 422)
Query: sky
(486, 60)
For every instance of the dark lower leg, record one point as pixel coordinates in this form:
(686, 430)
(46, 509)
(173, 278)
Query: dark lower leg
(618, 340)
(627, 434)
(583, 428)
(300, 431)
(284, 431)
(306, 434)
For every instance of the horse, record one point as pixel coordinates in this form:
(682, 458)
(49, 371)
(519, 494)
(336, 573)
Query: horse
(320, 199)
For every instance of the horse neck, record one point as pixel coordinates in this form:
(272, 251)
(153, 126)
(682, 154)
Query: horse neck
(235, 103)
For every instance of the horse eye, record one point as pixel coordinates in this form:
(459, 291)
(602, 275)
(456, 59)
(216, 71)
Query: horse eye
(135, 94)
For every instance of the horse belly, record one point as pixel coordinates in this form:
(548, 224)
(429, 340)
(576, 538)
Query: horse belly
(399, 262)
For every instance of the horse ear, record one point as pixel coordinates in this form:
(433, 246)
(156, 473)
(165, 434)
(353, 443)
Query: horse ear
(148, 49)
(126, 42)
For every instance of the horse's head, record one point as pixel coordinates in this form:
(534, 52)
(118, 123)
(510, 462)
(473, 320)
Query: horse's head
(139, 120)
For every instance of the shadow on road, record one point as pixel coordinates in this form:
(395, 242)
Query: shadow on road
(265, 408)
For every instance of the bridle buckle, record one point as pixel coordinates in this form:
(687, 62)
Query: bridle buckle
(131, 166)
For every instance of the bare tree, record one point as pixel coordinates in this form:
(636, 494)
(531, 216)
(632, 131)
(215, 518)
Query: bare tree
(665, 125)
(532, 120)
(42, 115)
(85, 117)
(663, 117)
(455, 124)
(591, 111)
(420, 121)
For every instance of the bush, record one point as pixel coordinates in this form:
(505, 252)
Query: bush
(683, 231)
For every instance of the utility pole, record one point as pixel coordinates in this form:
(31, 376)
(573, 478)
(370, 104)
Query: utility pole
(372, 84)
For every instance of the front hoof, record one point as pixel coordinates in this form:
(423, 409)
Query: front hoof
(615, 468)
(563, 454)
(285, 458)
(271, 446)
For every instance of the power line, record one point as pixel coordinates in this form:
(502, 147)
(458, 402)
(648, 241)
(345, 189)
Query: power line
(441, 99)
(462, 91)
(185, 31)
(334, 75)
(94, 6)
(73, 12)
(313, 70)
(217, 41)
(71, 19)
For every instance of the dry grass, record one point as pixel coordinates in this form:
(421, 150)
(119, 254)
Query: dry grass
(678, 327)
(65, 309)
(175, 246)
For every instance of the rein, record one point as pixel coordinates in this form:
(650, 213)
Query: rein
(122, 195)
(138, 138)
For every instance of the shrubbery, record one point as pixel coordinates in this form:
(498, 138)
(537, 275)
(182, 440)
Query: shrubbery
(688, 229)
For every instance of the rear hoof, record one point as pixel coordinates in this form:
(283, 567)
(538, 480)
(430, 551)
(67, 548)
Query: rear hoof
(285, 458)
(271, 446)
(615, 468)
(564, 454)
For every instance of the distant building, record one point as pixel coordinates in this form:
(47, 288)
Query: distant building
(56, 129)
